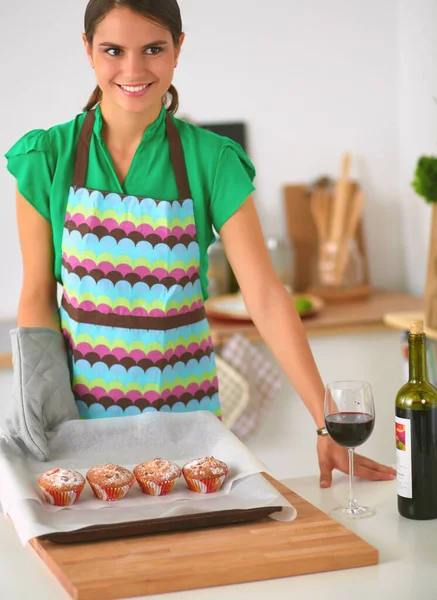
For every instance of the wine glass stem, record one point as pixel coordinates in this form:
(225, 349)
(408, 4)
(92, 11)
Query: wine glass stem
(352, 502)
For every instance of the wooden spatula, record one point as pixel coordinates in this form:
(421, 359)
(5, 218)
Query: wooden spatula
(341, 197)
(343, 191)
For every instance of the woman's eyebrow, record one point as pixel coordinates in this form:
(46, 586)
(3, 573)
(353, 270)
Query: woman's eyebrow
(113, 45)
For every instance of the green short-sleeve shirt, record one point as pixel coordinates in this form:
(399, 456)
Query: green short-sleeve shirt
(220, 174)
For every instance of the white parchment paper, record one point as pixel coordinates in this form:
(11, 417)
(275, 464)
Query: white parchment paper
(128, 441)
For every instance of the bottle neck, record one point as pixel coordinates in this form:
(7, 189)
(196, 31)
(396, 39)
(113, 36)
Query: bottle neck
(417, 357)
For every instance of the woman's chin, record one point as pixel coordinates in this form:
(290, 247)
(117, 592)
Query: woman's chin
(135, 106)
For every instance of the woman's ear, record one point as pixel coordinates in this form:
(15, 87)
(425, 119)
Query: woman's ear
(88, 50)
(178, 49)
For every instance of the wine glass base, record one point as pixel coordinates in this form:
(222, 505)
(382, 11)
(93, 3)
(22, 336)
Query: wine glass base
(357, 512)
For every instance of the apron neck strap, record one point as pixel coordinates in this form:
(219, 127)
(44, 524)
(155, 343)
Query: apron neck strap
(82, 151)
(176, 154)
(177, 159)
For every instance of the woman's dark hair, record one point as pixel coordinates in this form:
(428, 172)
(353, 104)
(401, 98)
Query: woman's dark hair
(165, 12)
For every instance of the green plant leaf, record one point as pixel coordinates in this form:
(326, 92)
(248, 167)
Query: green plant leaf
(425, 178)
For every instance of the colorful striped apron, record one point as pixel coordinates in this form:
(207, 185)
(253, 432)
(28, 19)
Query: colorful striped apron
(132, 309)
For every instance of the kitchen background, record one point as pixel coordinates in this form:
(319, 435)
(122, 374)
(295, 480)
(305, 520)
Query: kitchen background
(311, 81)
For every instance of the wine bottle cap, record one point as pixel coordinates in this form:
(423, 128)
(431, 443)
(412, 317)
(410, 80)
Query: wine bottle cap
(416, 327)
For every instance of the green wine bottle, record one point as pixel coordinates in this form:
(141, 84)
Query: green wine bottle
(416, 434)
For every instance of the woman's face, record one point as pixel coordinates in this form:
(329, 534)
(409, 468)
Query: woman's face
(134, 60)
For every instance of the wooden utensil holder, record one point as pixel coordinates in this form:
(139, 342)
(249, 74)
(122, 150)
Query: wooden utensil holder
(302, 232)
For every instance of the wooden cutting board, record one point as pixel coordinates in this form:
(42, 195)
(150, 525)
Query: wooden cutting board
(201, 558)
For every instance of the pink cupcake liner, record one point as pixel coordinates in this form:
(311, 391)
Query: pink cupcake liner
(110, 494)
(205, 486)
(58, 498)
(156, 488)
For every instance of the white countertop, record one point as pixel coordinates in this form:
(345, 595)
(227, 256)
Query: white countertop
(407, 569)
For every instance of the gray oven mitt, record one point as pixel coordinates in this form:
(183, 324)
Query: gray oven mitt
(42, 397)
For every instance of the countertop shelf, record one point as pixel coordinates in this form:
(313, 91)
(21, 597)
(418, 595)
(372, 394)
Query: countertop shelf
(402, 320)
(357, 316)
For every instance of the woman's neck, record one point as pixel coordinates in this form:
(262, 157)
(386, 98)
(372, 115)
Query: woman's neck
(122, 130)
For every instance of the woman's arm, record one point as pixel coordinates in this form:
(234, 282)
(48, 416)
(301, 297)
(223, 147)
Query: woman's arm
(42, 397)
(271, 306)
(38, 301)
(274, 314)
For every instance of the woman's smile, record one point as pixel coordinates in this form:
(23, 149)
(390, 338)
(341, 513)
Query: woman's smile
(134, 90)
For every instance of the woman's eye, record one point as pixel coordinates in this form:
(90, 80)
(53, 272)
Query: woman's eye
(113, 51)
(154, 50)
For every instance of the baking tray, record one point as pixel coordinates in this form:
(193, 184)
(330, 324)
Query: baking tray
(162, 525)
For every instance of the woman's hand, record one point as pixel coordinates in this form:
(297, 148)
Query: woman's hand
(332, 456)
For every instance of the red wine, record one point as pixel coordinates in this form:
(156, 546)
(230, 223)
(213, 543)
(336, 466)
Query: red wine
(350, 429)
(422, 435)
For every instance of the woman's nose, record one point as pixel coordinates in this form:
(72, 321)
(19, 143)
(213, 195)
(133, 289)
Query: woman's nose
(135, 67)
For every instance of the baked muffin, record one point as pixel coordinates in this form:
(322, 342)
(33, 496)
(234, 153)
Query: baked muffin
(61, 487)
(110, 482)
(157, 477)
(205, 475)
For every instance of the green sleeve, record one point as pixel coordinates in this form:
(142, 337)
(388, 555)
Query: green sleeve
(29, 161)
(233, 183)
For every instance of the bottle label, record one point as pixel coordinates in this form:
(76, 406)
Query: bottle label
(403, 457)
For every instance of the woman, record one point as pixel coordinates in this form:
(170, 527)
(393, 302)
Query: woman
(121, 202)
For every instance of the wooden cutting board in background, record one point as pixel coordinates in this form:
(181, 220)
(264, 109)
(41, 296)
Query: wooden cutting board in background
(202, 558)
(302, 233)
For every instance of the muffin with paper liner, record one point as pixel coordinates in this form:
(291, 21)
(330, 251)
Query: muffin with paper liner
(61, 487)
(157, 477)
(205, 475)
(110, 482)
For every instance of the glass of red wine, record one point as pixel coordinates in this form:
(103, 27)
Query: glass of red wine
(349, 419)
